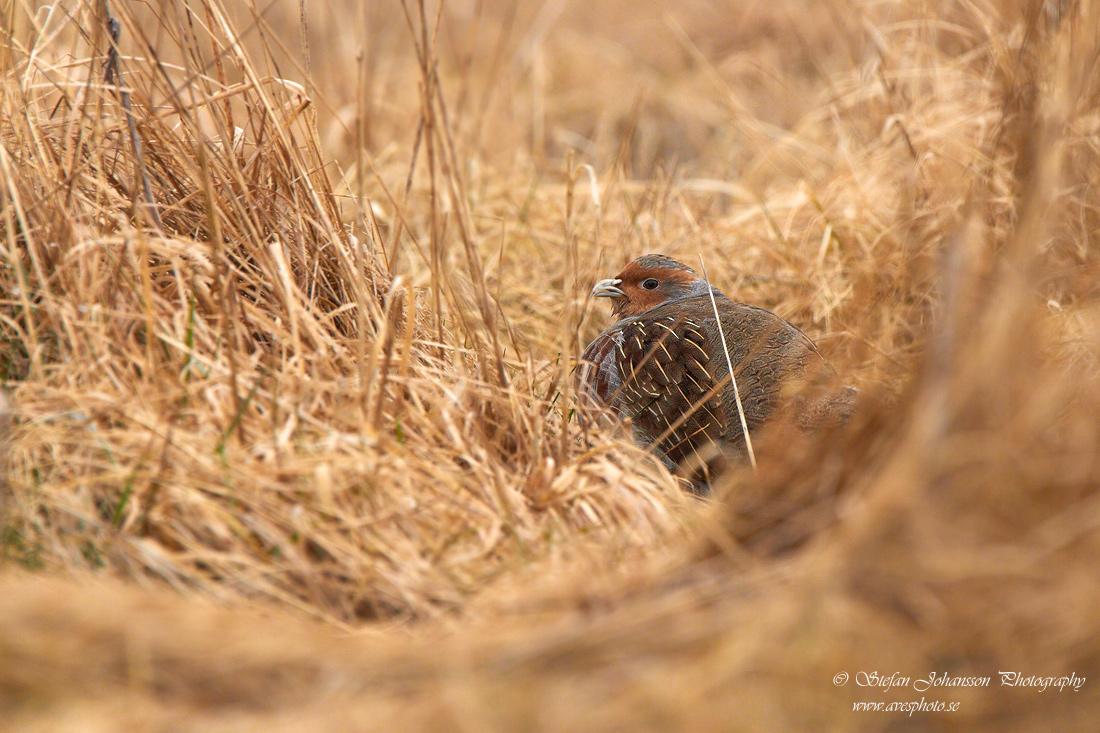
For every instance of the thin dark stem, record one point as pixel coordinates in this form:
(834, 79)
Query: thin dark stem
(112, 76)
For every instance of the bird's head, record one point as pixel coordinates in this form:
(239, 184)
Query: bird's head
(648, 282)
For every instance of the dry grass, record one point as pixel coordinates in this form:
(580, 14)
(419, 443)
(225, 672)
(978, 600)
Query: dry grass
(297, 388)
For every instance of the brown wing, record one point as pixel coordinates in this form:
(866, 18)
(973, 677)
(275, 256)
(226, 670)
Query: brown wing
(668, 386)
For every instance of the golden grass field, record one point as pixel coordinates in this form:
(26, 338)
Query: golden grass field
(287, 322)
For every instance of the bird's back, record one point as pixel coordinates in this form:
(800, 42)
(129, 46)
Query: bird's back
(666, 371)
(771, 358)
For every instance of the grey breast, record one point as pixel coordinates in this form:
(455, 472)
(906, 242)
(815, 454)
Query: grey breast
(598, 374)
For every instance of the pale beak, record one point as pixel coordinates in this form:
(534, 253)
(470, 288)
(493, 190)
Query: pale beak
(608, 289)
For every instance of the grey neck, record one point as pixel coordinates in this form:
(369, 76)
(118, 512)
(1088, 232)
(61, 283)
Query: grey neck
(701, 287)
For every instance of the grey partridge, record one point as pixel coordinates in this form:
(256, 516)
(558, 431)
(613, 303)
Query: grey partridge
(662, 365)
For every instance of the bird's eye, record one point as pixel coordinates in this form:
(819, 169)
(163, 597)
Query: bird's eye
(650, 283)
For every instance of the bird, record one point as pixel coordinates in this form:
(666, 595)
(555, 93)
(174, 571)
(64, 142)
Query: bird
(662, 367)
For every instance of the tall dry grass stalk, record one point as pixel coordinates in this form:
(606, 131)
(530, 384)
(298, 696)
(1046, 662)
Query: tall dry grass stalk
(345, 389)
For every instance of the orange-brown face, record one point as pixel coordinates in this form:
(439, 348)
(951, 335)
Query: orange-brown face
(646, 283)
